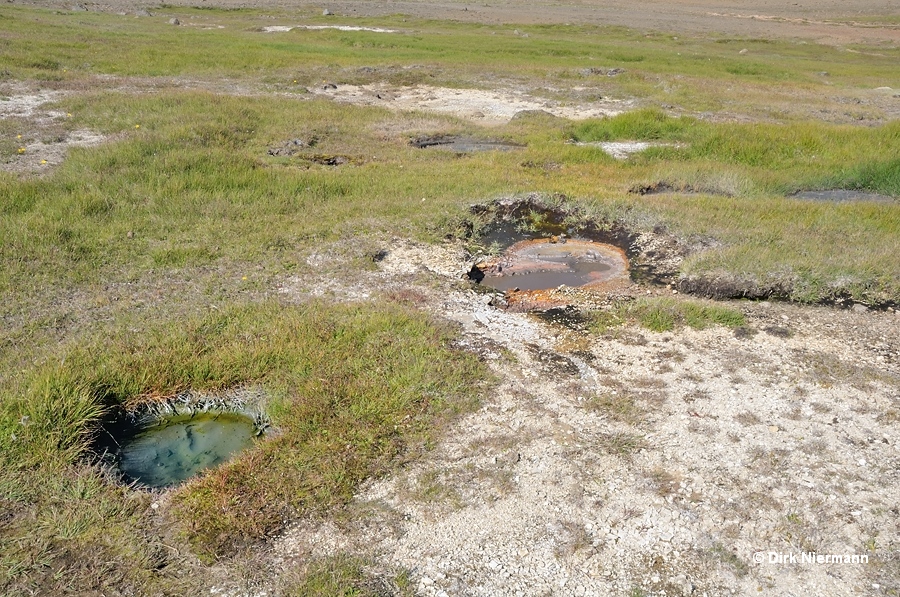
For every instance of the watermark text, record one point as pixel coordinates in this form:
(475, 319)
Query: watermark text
(808, 557)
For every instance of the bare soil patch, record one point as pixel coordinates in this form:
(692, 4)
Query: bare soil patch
(43, 138)
(489, 107)
(637, 461)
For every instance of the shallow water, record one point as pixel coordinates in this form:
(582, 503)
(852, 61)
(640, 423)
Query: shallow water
(544, 264)
(841, 195)
(578, 273)
(183, 446)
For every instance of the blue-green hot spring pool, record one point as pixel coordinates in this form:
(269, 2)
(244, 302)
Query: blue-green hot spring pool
(182, 446)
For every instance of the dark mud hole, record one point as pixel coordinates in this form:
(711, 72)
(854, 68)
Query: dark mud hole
(463, 144)
(653, 258)
(567, 258)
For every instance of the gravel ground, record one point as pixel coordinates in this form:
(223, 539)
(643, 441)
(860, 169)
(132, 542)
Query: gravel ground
(641, 463)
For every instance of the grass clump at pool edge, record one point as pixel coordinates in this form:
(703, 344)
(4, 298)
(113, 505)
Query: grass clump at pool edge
(663, 314)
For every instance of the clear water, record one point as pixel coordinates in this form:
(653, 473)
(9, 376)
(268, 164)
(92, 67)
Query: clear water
(183, 446)
(839, 195)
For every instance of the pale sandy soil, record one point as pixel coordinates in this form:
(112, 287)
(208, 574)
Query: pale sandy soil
(43, 139)
(482, 106)
(780, 440)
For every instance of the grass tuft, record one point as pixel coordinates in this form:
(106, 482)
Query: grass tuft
(649, 124)
(352, 390)
(348, 576)
(665, 314)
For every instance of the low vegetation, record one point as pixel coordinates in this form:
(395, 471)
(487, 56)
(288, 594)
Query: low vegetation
(347, 576)
(663, 314)
(145, 266)
(352, 390)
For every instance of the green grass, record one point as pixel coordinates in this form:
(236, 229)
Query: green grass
(347, 576)
(698, 72)
(197, 172)
(663, 315)
(352, 389)
(141, 267)
(642, 125)
(781, 157)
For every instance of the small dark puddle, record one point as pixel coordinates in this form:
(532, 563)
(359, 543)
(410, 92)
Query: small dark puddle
(166, 451)
(461, 144)
(569, 317)
(842, 195)
(506, 233)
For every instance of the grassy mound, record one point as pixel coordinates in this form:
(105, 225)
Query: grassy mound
(353, 389)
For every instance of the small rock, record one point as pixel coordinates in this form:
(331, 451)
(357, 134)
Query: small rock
(142, 13)
(744, 51)
(130, 234)
(773, 428)
(79, 8)
(327, 13)
(329, 86)
(154, 506)
(859, 308)
(174, 21)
